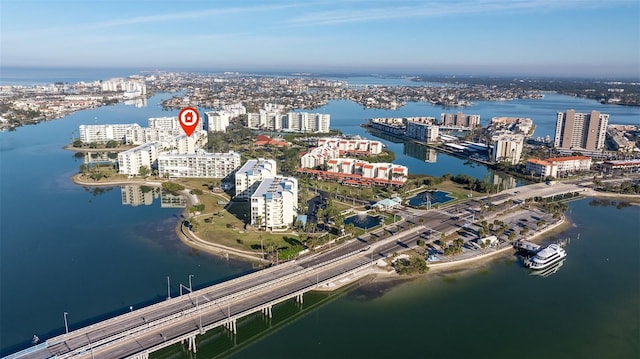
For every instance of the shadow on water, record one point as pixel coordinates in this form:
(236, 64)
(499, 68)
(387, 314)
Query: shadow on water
(371, 288)
(220, 343)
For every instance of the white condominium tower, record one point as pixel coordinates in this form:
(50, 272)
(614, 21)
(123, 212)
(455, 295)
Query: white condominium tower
(274, 202)
(129, 162)
(199, 165)
(251, 173)
(581, 130)
(291, 122)
(217, 121)
(170, 123)
(306, 122)
(423, 131)
(508, 147)
(105, 133)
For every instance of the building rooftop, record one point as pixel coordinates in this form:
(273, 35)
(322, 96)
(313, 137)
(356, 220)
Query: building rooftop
(568, 158)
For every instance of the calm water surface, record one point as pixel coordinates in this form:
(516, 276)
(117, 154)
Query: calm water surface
(588, 309)
(64, 249)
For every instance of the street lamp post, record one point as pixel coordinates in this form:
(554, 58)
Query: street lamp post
(66, 324)
(190, 287)
(168, 288)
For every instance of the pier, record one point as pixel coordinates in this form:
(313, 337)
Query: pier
(527, 247)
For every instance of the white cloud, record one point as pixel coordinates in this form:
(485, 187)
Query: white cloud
(438, 8)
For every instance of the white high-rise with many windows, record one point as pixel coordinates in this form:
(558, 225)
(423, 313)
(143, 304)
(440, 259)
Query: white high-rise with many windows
(105, 133)
(251, 173)
(170, 123)
(198, 165)
(274, 203)
(130, 161)
(306, 122)
(507, 147)
(217, 121)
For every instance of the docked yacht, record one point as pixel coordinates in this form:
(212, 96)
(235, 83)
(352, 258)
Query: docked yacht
(546, 257)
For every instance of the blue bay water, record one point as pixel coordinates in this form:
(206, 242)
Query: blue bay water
(64, 249)
(28, 76)
(587, 309)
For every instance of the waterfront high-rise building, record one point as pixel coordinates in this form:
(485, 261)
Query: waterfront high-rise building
(130, 161)
(251, 173)
(265, 120)
(170, 123)
(198, 165)
(508, 147)
(459, 120)
(422, 131)
(105, 133)
(584, 131)
(274, 203)
(217, 121)
(136, 135)
(306, 122)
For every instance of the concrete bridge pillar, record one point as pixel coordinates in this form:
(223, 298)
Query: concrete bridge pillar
(191, 343)
(266, 311)
(231, 326)
(299, 298)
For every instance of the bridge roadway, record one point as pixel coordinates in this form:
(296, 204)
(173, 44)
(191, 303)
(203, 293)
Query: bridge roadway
(162, 323)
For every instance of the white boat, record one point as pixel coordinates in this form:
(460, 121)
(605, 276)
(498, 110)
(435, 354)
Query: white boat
(546, 257)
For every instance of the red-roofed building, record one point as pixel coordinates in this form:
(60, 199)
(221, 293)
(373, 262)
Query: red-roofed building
(621, 165)
(541, 168)
(264, 140)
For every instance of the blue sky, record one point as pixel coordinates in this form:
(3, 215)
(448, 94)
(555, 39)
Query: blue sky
(536, 37)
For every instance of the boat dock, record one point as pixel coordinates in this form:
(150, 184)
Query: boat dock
(525, 246)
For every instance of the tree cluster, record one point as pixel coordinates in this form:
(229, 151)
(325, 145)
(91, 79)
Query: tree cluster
(412, 265)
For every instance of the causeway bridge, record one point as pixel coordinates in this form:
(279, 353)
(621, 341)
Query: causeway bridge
(181, 319)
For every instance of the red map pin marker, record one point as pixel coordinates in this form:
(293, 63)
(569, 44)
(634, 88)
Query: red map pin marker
(189, 119)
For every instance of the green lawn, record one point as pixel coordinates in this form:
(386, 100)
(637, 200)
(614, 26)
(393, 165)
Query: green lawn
(226, 226)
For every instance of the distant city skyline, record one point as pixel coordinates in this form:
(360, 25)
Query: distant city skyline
(584, 38)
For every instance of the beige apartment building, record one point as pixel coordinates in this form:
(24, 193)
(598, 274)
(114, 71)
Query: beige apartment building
(585, 131)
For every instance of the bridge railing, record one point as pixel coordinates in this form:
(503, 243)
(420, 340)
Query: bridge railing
(26, 352)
